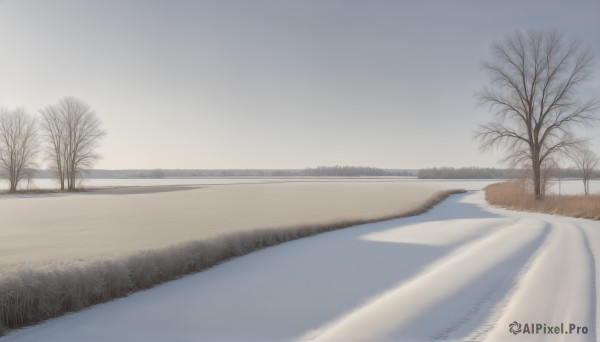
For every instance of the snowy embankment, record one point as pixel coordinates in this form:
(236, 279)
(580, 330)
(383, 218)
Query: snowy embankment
(462, 271)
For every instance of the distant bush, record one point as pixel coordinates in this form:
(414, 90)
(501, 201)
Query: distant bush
(28, 297)
(343, 171)
(513, 195)
(461, 173)
(350, 171)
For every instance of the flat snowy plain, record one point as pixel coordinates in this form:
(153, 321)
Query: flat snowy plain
(462, 271)
(57, 229)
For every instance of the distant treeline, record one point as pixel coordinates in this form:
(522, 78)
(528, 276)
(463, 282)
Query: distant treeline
(353, 171)
(187, 173)
(170, 173)
(321, 171)
(461, 173)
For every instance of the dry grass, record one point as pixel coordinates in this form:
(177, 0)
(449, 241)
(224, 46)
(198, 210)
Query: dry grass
(511, 195)
(28, 297)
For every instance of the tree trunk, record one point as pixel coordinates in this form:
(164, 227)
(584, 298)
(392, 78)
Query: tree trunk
(71, 179)
(537, 180)
(586, 186)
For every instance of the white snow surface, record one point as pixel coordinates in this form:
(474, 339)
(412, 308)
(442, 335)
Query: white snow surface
(564, 186)
(462, 271)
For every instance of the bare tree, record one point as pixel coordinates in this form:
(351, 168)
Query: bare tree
(534, 83)
(54, 134)
(18, 147)
(586, 162)
(72, 131)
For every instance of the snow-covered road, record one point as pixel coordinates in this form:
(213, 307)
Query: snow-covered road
(462, 271)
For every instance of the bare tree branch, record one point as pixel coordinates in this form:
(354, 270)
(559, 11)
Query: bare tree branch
(72, 132)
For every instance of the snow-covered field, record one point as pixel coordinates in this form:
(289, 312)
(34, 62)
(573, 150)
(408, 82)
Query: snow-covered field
(54, 229)
(567, 187)
(51, 229)
(92, 183)
(462, 271)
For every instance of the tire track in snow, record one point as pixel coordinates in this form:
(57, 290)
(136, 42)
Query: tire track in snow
(555, 288)
(450, 307)
(496, 312)
(592, 232)
(492, 304)
(594, 281)
(498, 308)
(489, 302)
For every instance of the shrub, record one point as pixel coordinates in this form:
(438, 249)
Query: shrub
(512, 195)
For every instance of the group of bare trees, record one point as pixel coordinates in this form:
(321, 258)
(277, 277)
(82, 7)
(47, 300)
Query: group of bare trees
(535, 79)
(66, 135)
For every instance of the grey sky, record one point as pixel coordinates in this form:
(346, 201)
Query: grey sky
(274, 84)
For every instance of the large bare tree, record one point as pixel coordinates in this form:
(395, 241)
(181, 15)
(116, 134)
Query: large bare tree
(72, 131)
(18, 145)
(54, 135)
(586, 162)
(534, 84)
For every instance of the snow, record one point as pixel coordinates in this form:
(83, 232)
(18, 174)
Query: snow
(46, 183)
(567, 186)
(462, 271)
(82, 227)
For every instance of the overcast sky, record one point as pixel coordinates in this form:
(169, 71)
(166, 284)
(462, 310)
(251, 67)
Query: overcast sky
(274, 84)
